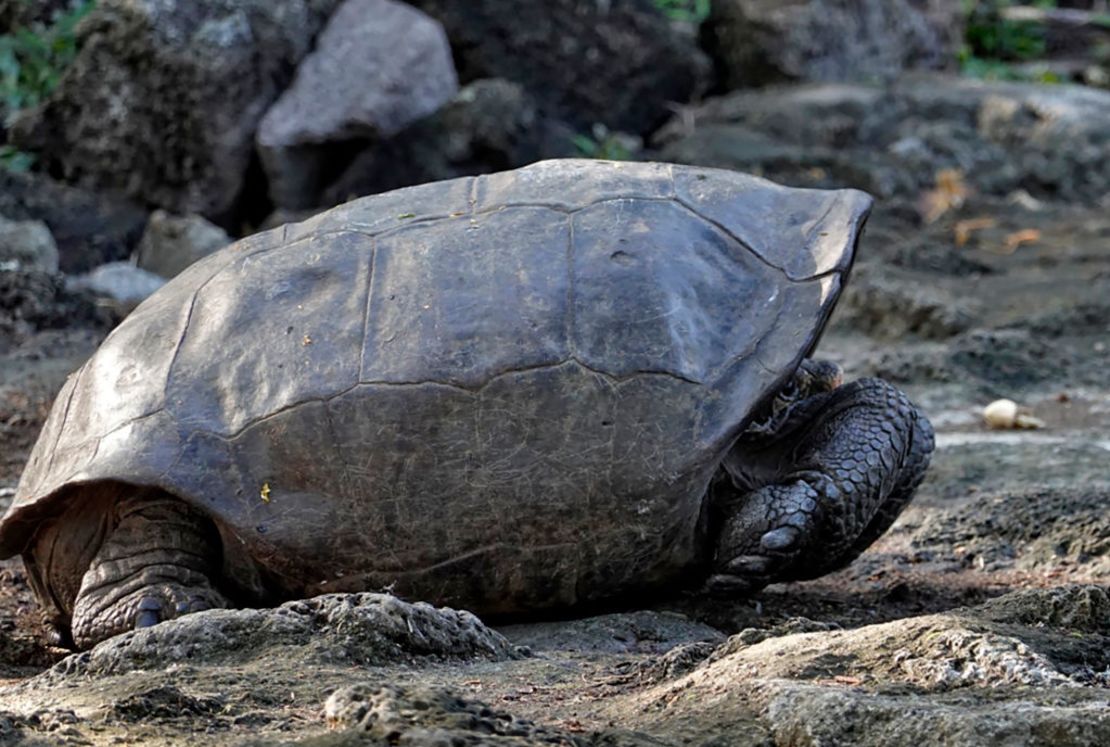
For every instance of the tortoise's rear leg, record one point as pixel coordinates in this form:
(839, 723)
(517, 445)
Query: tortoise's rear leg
(838, 480)
(157, 563)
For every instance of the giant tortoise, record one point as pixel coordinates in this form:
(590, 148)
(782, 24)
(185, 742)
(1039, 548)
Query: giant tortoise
(547, 388)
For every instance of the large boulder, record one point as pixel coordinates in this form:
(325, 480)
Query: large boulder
(378, 66)
(492, 125)
(755, 42)
(619, 63)
(163, 100)
(89, 228)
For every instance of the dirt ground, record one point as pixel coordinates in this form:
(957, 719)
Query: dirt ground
(982, 617)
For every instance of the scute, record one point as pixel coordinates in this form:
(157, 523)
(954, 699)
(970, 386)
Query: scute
(276, 327)
(573, 184)
(509, 390)
(803, 232)
(658, 289)
(461, 300)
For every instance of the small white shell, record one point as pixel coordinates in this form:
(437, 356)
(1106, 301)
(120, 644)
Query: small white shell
(1001, 413)
(1005, 413)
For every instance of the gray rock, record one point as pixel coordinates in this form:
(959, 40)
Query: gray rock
(756, 42)
(171, 243)
(1050, 141)
(491, 125)
(363, 628)
(164, 97)
(378, 66)
(1084, 609)
(121, 282)
(161, 703)
(883, 302)
(1023, 668)
(815, 715)
(32, 300)
(89, 228)
(27, 244)
(1028, 529)
(618, 62)
(426, 715)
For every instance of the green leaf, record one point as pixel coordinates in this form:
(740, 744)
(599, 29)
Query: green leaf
(32, 60)
(15, 160)
(585, 144)
(687, 11)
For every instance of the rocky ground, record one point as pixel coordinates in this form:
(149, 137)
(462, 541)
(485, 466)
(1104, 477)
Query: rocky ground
(982, 617)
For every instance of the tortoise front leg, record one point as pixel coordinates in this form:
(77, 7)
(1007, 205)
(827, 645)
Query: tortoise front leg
(837, 481)
(157, 563)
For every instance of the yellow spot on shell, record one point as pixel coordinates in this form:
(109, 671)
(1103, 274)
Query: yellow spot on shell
(264, 494)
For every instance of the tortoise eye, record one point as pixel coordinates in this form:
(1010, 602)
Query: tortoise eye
(789, 389)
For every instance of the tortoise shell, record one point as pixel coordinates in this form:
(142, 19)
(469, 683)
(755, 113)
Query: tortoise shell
(505, 392)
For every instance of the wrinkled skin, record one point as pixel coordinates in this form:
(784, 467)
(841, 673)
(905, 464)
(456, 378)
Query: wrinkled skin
(821, 473)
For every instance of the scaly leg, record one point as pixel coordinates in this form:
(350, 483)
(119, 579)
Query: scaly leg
(157, 563)
(843, 477)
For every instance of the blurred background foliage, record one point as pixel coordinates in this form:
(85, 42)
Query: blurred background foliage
(1005, 39)
(32, 60)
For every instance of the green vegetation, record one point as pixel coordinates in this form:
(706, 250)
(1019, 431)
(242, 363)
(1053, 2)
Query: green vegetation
(605, 145)
(31, 64)
(13, 159)
(689, 11)
(999, 46)
(990, 36)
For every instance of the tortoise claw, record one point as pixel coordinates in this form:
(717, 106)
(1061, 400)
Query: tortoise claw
(149, 612)
(748, 565)
(152, 610)
(781, 539)
(723, 584)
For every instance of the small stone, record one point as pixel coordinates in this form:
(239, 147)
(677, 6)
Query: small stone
(27, 245)
(121, 282)
(89, 228)
(171, 243)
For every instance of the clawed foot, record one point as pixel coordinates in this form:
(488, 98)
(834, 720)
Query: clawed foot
(858, 453)
(157, 564)
(767, 535)
(166, 604)
(98, 616)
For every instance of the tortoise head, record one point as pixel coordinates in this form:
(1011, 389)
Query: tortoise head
(812, 377)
